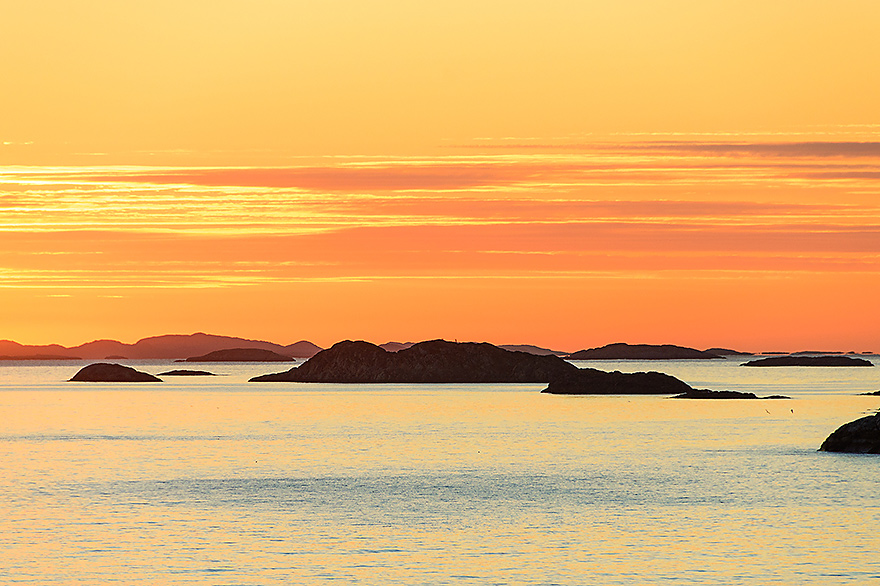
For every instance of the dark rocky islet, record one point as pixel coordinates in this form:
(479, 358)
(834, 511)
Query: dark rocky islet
(116, 373)
(809, 361)
(439, 361)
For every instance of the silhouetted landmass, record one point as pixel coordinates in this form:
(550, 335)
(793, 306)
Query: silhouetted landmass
(707, 394)
(114, 357)
(809, 361)
(873, 394)
(301, 349)
(621, 351)
(439, 361)
(811, 353)
(861, 436)
(116, 373)
(40, 357)
(530, 349)
(170, 346)
(396, 346)
(241, 355)
(187, 373)
(16, 351)
(728, 352)
(589, 381)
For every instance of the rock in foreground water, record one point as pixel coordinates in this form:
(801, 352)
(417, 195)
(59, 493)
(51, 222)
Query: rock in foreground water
(113, 373)
(861, 436)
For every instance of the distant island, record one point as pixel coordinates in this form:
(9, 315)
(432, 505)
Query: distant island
(187, 373)
(439, 361)
(241, 355)
(172, 346)
(809, 361)
(621, 351)
(707, 394)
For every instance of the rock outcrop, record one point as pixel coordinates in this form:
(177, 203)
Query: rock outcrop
(241, 355)
(707, 394)
(622, 351)
(809, 361)
(113, 373)
(187, 373)
(861, 436)
(439, 361)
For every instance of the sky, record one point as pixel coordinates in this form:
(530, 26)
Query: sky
(560, 173)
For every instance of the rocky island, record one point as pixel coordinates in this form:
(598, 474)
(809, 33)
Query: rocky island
(113, 373)
(861, 436)
(621, 351)
(809, 361)
(439, 361)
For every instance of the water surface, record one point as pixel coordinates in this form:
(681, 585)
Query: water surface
(220, 481)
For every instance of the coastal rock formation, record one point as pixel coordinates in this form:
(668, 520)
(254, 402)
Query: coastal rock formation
(707, 394)
(115, 373)
(622, 351)
(861, 436)
(809, 361)
(241, 355)
(439, 361)
(187, 373)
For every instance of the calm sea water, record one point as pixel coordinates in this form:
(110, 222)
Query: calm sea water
(220, 481)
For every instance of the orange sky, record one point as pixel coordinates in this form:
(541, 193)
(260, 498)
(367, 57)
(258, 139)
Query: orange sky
(568, 174)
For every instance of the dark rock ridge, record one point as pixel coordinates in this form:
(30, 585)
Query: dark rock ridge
(873, 393)
(707, 394)
(439, 361)
(241, 355)
(113, 373)
(861, 436)
(809, 361)
(187, 373)
(622, 351)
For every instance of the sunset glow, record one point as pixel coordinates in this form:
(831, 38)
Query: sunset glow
(564, 174)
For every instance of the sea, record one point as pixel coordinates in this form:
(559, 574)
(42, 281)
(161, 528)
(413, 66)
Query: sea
(220, 481)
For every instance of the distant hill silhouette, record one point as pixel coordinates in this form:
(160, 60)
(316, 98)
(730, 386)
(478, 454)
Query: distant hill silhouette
(396, 346)
(621, 351)
(171, 346)
(241, 355)
(530, 349)
(439, 361)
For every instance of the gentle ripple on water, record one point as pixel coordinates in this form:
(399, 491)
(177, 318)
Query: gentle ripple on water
(228, 483)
